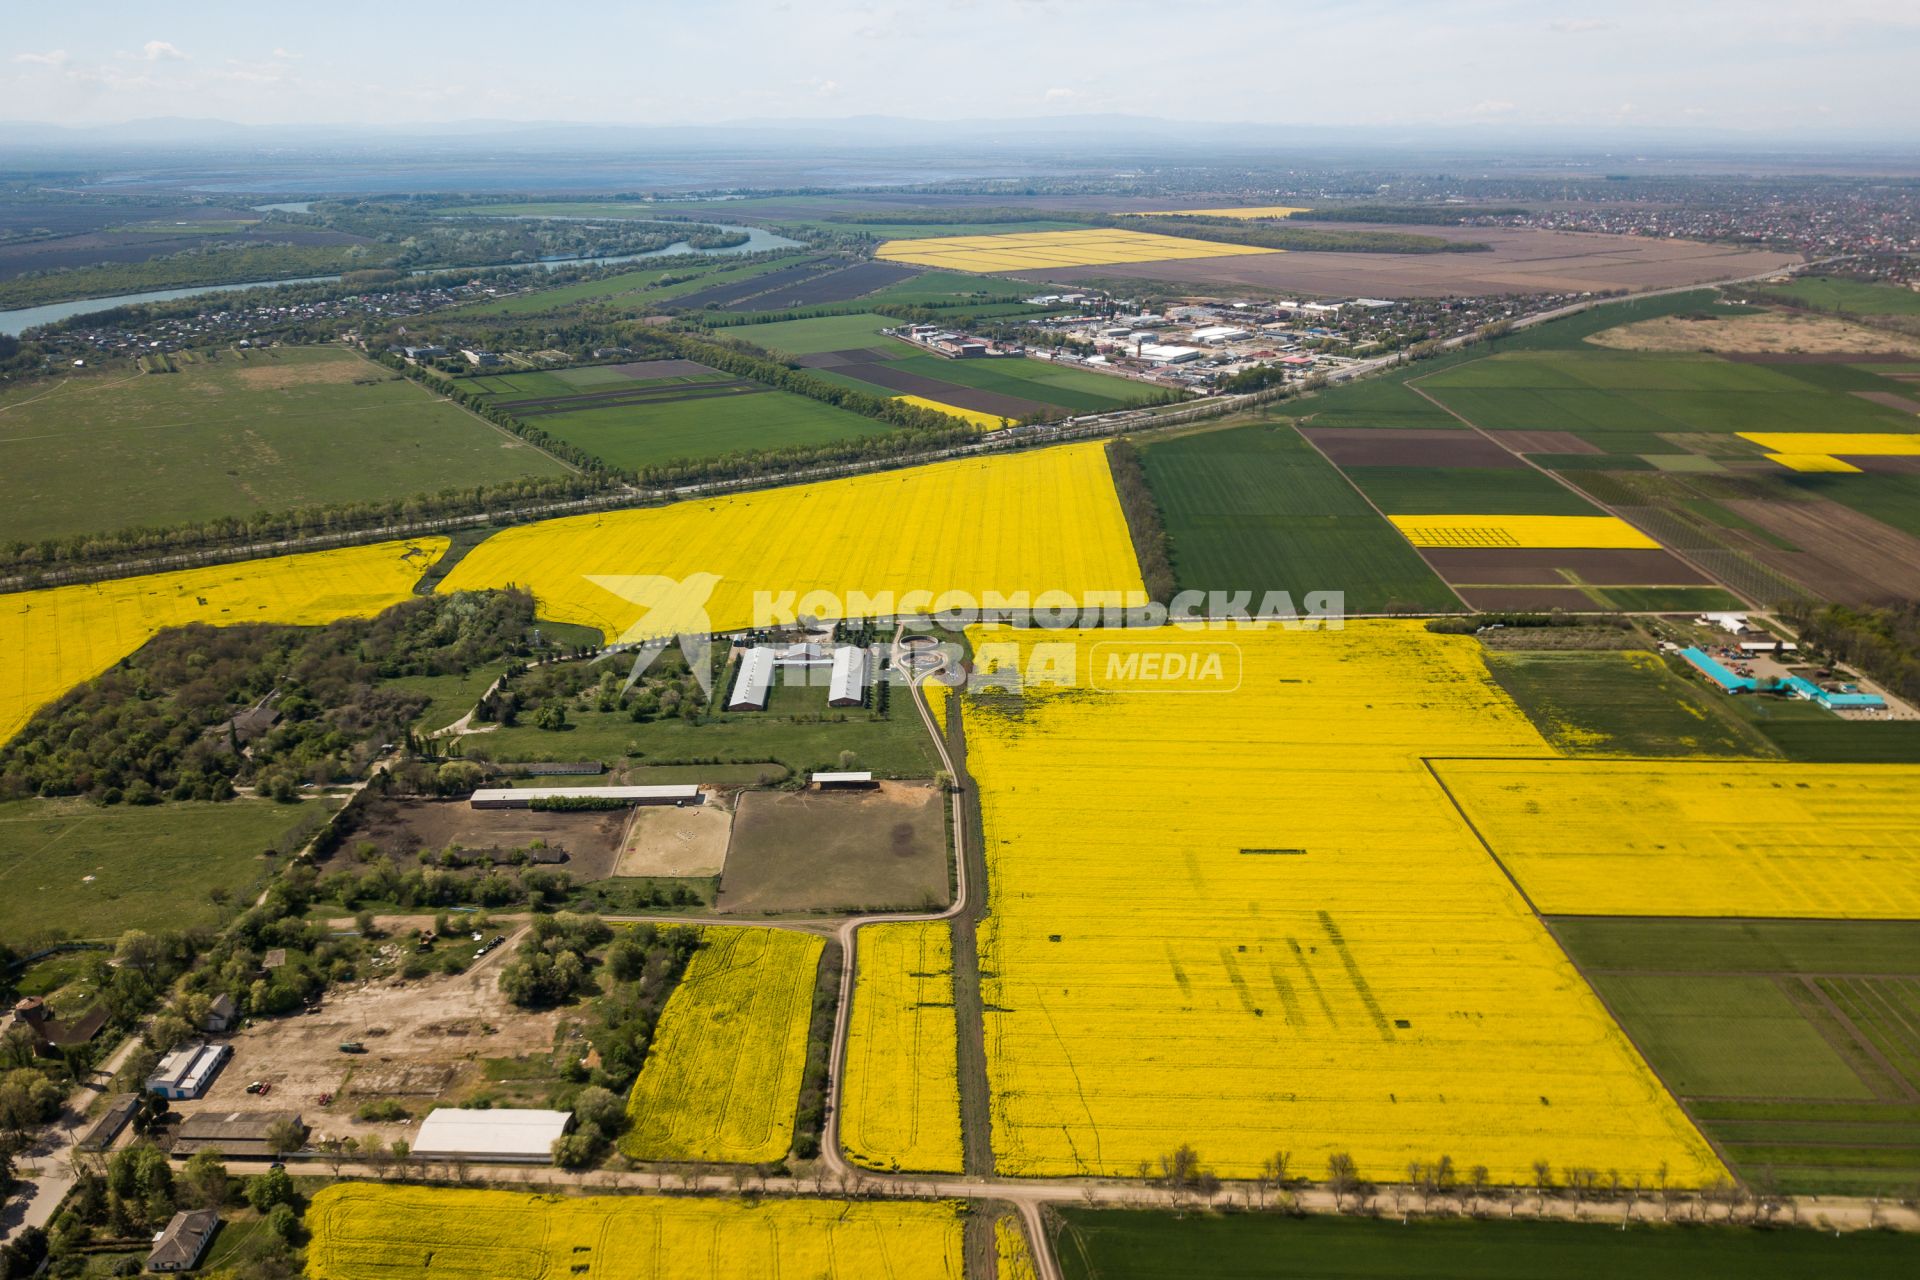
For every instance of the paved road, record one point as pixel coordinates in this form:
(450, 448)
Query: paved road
(46, 1168)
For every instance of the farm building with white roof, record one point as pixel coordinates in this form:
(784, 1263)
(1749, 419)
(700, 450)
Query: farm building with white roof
(499, 1135)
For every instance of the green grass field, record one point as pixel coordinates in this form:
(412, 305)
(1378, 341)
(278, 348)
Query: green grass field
(234, 436)
(1891, 499)
(1793, 1042)
(453, 695)
(861, 329)
(1623, 702)
(1852, 297)
(96, 872)
(1512, 491)
(943, 286)
(1255, 508)
(1128, 1244)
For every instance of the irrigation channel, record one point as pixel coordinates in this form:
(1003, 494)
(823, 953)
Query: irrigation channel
(15, 322)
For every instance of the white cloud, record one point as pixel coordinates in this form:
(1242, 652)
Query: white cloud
(1060, 95)
(161, 51)
(51, 58)
(1578, 26)
(287, 55)
(1492, 107)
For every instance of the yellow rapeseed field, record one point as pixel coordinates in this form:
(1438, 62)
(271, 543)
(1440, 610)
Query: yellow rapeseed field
(1520, 531)
(974, 417)
(1034, 250)
(1249, 211)
(1858, 444)
(366, 1232)
(901, 1095)
(1811, 462)
(1256, 922)
(1042, 520)
(1700, 838)
(56, 638)
(1010, 1247)
(722, 1079)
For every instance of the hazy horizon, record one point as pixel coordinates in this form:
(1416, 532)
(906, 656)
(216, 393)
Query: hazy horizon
(1760, 71)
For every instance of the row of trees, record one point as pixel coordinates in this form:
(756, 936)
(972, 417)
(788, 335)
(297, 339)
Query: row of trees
(1881, 640)
(1151, 545)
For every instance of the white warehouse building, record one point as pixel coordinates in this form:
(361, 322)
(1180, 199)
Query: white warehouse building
(849, 687)
(499, 1135)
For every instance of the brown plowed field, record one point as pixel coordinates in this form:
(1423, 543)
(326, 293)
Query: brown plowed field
(1602, 568)
(1898, 466)
(1494, 598)
(1890, 400)
(1843, 556)
(401, 829)
(1547, 442)
(913, 384)
(1521, 260)
(1408, 447)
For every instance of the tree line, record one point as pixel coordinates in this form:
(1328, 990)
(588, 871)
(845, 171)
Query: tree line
(1151, 546)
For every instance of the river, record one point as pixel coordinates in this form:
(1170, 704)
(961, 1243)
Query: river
(13, 322)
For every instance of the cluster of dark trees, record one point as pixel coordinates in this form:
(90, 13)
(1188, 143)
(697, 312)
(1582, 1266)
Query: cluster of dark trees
(542, 695)
(185, 717)
(809, 1120)
(555, 961)
(1881, 640)
(1149, 532)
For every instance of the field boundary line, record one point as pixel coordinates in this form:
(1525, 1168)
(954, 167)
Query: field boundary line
(1719, 1152)
(1384, 518)
(1412, 385)
(564, 464)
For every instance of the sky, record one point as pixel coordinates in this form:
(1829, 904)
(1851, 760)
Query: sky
(1762, 67)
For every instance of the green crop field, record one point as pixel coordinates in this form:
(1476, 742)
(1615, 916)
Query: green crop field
(1121, 1244)
(637, 436)
(1618, 399)
(1852, 297)
(97, 871)
(1061, 386)
(1624, 702)
(924, 230)
(943, 286)
(1513, 491)
(824, 333)
(232, 436)
(1256, 508)
(1793, 1042)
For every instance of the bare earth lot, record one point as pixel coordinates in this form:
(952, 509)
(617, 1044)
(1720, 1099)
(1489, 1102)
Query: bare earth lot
(1843, 554)
(1522, 260)
(1530, 565)
(425, 1041)
(1772, 332)
(884, 849)
(668, 840)
(401, 828)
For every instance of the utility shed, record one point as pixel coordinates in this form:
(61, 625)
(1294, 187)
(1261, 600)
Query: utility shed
(849, 685)
(187, 1071)
(237, 1135)
(181, 1245)
(498, 1135)
(110, 1124)
(523, 797)
(752, 683)
(843, 781)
